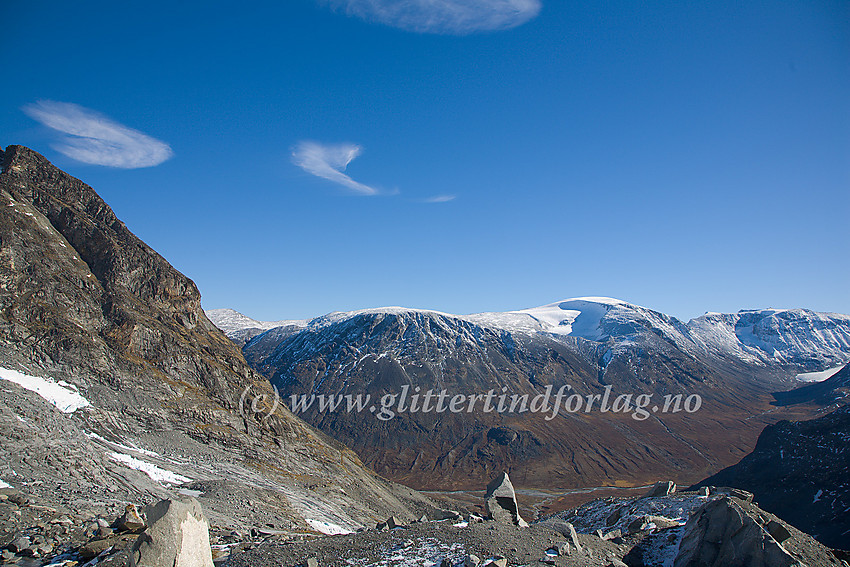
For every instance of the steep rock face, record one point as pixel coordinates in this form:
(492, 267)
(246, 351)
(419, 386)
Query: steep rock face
(585, 344)
(800, 471)
(80, 290)
(85, 301)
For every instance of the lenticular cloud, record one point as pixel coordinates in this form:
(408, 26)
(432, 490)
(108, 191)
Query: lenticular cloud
(458, 17)
(329, 162)
(93, 138)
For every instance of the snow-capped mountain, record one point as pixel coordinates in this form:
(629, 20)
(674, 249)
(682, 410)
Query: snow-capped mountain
(734, 362)
(810, 340)
(801, 338)
(240, 328)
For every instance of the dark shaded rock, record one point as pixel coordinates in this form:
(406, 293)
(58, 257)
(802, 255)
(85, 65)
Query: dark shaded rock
(614, 517)
(796, 471)
(502, 435)
(393, 522)
(19, 544)
(779, 532)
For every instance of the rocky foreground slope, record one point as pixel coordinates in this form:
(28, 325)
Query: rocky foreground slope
(732, 362)
(116, 387)
(800, 471)
(712, 529)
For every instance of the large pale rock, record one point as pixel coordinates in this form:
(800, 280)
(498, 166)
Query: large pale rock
(500, 501)
(722, 534)
(661, 488)
(177, 536)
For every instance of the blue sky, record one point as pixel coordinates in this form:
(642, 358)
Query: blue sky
(295, 158)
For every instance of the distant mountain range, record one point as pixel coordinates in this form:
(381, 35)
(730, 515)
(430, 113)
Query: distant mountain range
(735, 362)
(802, 338)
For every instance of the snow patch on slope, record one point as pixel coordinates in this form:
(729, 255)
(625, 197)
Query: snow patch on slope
(327, 527)
(156, 473)
(61, 394)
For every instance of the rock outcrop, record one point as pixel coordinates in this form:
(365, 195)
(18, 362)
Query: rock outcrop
(798, 471)
(723, 534)
(661, 488)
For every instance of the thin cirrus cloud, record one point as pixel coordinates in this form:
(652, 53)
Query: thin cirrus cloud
(453, 17)
(440, 199)
(329, 162)
(91, 137)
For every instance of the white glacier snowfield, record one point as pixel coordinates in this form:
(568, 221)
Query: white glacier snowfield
(818, 376)
(61, 394)
(768, 336)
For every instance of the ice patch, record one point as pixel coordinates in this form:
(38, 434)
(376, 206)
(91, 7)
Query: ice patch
(818, 376)
(328, 528)
(61, 394)
(131, 447)
(4, 485)
(818, 494)
(156, 473)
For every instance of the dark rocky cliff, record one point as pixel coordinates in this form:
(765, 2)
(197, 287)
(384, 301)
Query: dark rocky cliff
(800, 471)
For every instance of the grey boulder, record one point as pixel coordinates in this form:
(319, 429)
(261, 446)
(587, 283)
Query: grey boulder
(500, 501)
(661, 488)
(177, 536)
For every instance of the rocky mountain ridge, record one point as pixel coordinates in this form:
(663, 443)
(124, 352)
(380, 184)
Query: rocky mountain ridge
(88, 309)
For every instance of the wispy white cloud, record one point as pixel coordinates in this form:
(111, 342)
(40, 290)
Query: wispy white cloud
(458, 17)
(329, 162)
(94, 138)
(440, 199)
